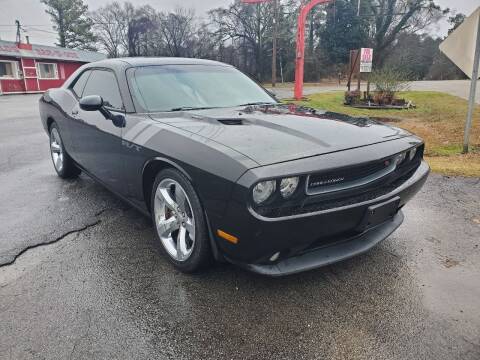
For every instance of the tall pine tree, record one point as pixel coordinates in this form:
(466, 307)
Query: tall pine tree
(72, 23)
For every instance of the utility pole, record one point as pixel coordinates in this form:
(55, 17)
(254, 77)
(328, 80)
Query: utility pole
(281, 68)
(473, 88)
(19, 38)
(358, 9)
(274, 34)
(274, 42)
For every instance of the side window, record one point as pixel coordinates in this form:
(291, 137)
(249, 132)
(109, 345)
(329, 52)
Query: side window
(47, 70)
(8, 70)
(104, 83)
(80, 83)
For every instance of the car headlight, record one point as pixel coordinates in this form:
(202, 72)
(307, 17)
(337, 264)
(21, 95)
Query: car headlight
(412, 153)
(263, 190)
(288, 186)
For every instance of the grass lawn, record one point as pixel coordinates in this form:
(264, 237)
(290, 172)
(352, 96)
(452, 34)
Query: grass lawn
(439, 119)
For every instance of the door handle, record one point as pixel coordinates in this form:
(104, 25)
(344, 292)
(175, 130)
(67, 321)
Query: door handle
(74, 112)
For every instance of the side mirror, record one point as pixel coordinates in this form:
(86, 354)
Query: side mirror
(95, 103)
(91, 103)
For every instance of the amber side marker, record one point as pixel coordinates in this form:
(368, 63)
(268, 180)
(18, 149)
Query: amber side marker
(228, 237)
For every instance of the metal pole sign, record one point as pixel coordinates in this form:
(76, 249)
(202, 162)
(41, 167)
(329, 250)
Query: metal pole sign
(463, 47)
(300, 51)
(473, 89)
(366, 58)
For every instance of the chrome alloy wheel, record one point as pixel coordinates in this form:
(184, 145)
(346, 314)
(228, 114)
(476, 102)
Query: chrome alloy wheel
(56, 150)
(174, 219)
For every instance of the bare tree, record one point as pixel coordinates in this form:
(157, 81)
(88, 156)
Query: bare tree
(110, 28)
(249, 26)
(204, 44)
(391, 17)
(140, 22)
(177, 28)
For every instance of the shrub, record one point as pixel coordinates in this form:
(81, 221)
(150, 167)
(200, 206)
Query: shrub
(388, 81)
(352, 97)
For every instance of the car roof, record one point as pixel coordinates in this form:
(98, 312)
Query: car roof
(150, 61)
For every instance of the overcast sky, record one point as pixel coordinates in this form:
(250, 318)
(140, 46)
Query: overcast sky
(31, 13)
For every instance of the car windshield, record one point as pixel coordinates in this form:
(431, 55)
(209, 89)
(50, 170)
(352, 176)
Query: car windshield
(190, 87)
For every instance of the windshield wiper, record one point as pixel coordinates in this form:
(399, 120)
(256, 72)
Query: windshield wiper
(258, 103)
(187, 108)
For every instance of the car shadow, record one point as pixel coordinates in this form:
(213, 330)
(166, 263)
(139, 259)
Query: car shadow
(228, 309)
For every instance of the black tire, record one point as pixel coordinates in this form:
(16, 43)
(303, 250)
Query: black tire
(68, 169)
(201, 254)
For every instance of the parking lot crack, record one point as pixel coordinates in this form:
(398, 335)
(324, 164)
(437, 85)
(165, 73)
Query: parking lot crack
(55, 240)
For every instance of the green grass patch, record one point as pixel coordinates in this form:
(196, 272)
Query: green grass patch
(449, 150)
(430, 106)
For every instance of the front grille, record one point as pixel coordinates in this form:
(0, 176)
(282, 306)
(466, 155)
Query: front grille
(334, 178)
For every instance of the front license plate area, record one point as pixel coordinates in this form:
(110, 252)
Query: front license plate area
(379, 213)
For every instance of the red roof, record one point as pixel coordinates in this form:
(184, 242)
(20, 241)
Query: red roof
(9, 48)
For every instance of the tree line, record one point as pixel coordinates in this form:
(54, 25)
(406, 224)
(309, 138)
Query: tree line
(241, 34)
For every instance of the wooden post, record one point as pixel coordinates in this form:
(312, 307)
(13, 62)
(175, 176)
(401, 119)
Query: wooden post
(353, 66)
(359, 79)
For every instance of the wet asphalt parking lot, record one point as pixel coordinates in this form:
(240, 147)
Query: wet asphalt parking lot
(99, 289)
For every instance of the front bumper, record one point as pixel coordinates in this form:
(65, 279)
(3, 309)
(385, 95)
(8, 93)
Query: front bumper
(329, 254)
(307, 241)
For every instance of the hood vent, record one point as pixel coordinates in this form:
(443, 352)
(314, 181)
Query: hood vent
(232, 121)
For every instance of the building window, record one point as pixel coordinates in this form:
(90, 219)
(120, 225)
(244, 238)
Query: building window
(8, 70)
(47, 70)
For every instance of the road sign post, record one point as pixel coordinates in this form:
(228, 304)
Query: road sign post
(473, 89)
(462, 46)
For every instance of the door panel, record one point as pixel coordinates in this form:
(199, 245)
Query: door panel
(71, 126)
(98, 143)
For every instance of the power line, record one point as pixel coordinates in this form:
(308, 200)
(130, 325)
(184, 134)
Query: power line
(40, 30)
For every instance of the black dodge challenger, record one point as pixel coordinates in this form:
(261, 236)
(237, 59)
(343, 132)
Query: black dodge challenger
(226, 171)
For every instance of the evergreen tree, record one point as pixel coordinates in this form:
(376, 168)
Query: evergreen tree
(71, 21)
(343, 31)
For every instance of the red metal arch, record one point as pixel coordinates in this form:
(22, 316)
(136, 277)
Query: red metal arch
(305, 8)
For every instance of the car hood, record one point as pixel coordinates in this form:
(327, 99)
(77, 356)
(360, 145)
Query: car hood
(273, 134)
